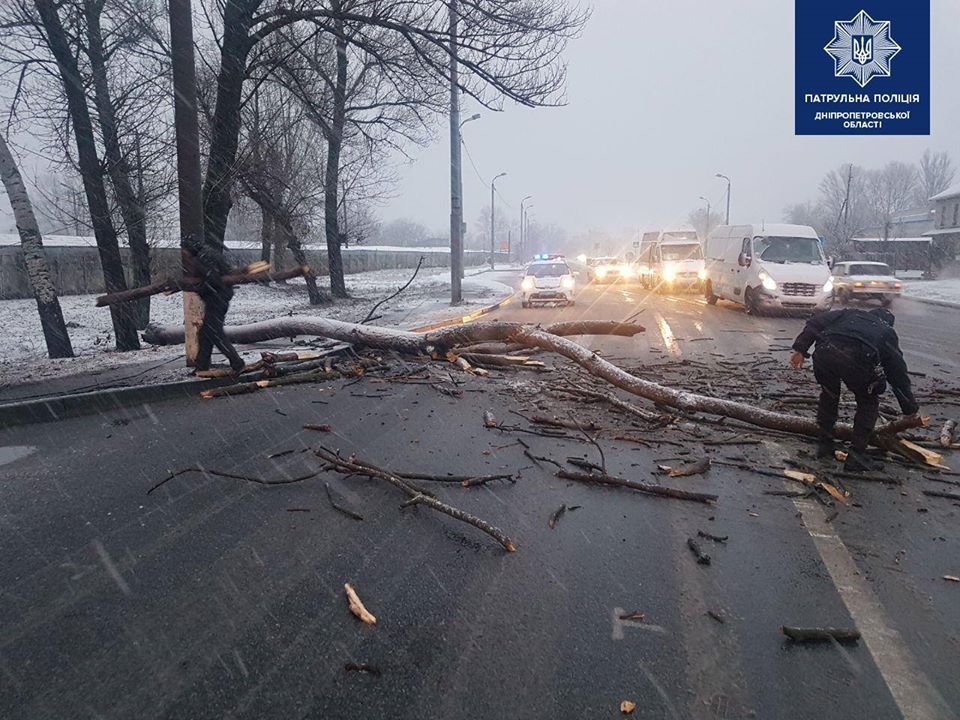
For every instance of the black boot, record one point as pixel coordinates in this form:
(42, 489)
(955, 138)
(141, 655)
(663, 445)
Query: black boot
(825, 448)
(857, 461)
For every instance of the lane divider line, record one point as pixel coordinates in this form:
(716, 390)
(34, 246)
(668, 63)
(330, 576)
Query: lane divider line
(912, 691)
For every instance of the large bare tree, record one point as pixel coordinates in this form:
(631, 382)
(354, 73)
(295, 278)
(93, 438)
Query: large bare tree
(508, 50)
(58, 42)
(44, 292)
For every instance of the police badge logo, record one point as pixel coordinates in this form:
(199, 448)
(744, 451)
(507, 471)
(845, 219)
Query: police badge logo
(862, 48)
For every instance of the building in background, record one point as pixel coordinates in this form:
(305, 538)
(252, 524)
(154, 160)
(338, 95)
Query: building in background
(946, 231)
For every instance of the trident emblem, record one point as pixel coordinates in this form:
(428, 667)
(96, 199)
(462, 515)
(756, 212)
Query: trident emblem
(862, 49)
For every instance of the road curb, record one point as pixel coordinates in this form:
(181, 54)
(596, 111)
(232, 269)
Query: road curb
(928, 301)
(71, 405)
(468, 318)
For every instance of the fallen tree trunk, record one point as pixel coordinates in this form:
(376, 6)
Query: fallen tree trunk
(386, 338)
(549, 338)
(687, 401)
(192, 284)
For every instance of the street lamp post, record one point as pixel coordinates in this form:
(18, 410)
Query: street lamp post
(706, 225)
(456, 176)
(724, 177)
(493, 217)
(522, 203)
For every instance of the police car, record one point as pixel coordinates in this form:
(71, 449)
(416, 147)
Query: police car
(547, 281)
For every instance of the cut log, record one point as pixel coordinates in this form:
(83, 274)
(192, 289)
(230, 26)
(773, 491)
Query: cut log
(192, 284)
(948, 433)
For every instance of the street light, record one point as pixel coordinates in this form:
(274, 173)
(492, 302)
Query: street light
(456, 206)
(724, 177)
(707, 224)
(522, 202)
(493, 216)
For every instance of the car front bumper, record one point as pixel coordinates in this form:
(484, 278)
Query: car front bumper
(775, 302)
(872, 292)
(551, 295)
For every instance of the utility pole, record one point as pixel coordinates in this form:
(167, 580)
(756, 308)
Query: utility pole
(522, 234)
(493, 218)
(456, 193)
(188, 156)
(706, 225)
(724, 177)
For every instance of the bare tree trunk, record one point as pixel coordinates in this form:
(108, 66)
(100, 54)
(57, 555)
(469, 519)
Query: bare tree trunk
(48, 305)
(124, 324)
(117, 165)
(331, 185)
(296, 249)
(225, 130)
(266, 234)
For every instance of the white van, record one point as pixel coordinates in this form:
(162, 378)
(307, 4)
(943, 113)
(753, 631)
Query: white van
(768, 268)
(675, 261)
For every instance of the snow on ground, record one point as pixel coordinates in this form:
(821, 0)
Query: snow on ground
(427, 300)
(938, 290)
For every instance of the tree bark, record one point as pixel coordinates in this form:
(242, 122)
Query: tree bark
(331, 184)
(124, 324)
(266, 234)
(117, 166)
(296, 249)
(225, 126)
(193, 284)
(48, 305)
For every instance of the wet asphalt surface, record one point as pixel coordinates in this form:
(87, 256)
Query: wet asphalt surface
(216, 598)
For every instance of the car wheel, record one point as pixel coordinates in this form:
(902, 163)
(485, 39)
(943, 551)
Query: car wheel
(571, 303)
(842, 297)
(708, 294)
(886, 301)
(524, 304)
(750, 302)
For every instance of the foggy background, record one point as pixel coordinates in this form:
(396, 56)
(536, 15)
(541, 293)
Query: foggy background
(661, 97)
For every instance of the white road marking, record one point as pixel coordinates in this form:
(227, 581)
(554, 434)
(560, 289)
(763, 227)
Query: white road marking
(619, 625)
(912, 691)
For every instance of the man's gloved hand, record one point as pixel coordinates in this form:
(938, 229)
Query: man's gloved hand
(796, 360)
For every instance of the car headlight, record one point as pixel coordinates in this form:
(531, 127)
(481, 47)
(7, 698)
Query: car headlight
(828, 286)
(528, 284)
(601, 271)
(627, 271)
(768, 282)
(669, 273)
(702, 274)
(567, 282)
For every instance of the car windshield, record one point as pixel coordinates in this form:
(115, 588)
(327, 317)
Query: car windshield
(593, 262)
(691, 251)
(683, 235)
(870, 270)
(548, 270)
(788, 250)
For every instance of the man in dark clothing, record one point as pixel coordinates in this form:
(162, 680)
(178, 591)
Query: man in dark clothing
(860, 349)
(199, 261)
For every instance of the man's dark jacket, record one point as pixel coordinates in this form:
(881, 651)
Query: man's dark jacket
(879, 342)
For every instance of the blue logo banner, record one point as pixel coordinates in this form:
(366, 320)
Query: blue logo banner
(862, 67)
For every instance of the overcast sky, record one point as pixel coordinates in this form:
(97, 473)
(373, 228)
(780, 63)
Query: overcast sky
(661, 96)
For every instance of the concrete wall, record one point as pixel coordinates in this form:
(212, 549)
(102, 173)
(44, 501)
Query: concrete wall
(76, 270)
